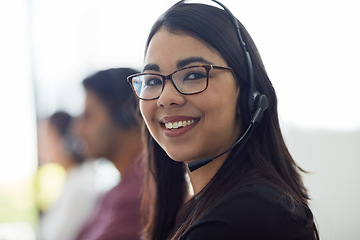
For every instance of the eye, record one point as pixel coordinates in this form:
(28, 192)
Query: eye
(195, 76)
(151, 81)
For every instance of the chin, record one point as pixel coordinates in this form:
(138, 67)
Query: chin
(177, 157)
(181, 157)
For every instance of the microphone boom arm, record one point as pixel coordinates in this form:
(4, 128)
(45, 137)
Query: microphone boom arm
(199, 163)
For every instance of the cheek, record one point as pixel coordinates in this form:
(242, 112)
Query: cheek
(89, 131)
(147, 110)
(94, 132)
(101, 136)
(221, 111)
(142, 107)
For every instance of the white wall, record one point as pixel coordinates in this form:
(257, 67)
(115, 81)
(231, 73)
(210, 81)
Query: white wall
(332, 159)
(17, 119)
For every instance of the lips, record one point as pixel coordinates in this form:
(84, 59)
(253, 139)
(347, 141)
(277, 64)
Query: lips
(174, 126)
(179, 124)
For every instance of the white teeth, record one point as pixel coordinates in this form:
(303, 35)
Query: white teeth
(179, 124)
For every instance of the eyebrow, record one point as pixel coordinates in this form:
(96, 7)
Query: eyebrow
(179, 64)
(184, 62)
(153, 67)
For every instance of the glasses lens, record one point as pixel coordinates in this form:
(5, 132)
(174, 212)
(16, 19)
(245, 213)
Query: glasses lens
(191, 80)
(147, 86)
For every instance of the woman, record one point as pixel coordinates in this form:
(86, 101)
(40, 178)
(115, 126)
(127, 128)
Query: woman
(60, 144)
(202, 92)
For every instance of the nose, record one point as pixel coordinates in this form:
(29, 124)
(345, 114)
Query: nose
(170, 97)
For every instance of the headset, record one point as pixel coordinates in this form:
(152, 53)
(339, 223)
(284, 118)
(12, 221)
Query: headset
(253, 104)
(254, 99)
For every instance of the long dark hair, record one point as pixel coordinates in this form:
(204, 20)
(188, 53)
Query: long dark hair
(264, 157)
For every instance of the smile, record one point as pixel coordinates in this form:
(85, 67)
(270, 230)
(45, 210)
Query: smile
(179, 124)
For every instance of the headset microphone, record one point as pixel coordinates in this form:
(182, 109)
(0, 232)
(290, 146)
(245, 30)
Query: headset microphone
(262, 104)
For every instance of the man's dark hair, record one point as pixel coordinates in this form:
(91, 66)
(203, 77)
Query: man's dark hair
(111, 87)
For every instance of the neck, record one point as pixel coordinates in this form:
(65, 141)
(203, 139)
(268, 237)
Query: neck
(202, 176)
(127, 151)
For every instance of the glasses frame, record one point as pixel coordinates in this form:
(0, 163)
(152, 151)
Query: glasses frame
(170, 77)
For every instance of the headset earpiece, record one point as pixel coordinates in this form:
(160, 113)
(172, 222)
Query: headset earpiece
(261, 102)
(73, 145)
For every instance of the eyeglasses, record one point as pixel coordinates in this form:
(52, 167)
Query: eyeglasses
(187, 81)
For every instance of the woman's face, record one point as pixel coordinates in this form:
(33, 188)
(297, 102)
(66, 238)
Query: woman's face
(212, 114)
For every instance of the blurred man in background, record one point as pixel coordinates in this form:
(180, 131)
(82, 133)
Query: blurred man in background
(111, 130)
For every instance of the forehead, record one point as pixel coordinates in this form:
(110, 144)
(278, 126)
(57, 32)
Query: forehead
(167, 48)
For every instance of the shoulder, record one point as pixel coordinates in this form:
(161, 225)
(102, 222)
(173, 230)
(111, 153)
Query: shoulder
(256, 211)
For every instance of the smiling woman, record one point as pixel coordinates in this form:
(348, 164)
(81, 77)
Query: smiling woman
(214, 107)
(217, 114)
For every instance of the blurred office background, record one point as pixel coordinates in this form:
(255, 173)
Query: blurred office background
(310, 48)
